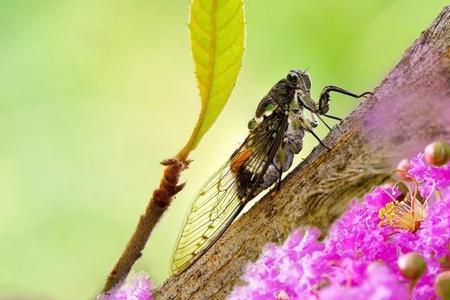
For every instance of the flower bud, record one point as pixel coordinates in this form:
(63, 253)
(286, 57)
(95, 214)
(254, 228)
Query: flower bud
(437, 153)
(411, 265)
(402, 170)
(442, 285)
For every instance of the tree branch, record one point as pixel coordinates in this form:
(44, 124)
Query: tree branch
(409, 109)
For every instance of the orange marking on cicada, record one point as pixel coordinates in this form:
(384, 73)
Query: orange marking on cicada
(238, 161)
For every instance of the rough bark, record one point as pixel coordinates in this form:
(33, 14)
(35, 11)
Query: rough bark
(409, 109)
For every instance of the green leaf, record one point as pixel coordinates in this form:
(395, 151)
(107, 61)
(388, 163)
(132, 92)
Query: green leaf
(217, 34)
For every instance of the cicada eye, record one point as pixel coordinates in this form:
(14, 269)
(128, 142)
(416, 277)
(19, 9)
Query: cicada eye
(292, 79)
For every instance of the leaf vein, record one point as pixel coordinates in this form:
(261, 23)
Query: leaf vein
(229, 67)
(196, 22)
(229, 47)
(233, 14)
(199, 44)
(202, 7)
(224, 87)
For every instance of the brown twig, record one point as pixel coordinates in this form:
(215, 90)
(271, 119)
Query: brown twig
(156, 207)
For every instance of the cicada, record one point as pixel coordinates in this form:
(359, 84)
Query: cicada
(275, 135)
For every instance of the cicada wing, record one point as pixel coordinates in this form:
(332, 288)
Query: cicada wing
(224, 195)
(213, 210)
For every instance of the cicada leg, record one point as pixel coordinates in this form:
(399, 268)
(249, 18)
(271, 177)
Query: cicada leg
(324, 98)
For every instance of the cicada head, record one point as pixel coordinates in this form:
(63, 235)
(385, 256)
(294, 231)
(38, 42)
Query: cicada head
(299, 80)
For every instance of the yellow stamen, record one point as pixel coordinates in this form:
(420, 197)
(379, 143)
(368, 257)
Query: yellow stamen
(407, 215)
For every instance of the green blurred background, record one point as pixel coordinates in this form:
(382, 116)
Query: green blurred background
(93, 94)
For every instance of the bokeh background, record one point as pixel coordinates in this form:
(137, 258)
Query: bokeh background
(93, 94)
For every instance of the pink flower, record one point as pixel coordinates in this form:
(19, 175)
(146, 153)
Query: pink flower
(137, 287)
(429, 176)
(340, 266)
(379, 283)
(280, 269)
(434, 234)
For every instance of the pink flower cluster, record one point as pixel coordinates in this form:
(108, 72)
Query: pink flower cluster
(358, 259)
(137, 287)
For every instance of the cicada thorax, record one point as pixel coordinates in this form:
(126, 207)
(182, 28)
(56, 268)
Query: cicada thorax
(264, 130)
(282, 92)
(250, 162)
(292, 143)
